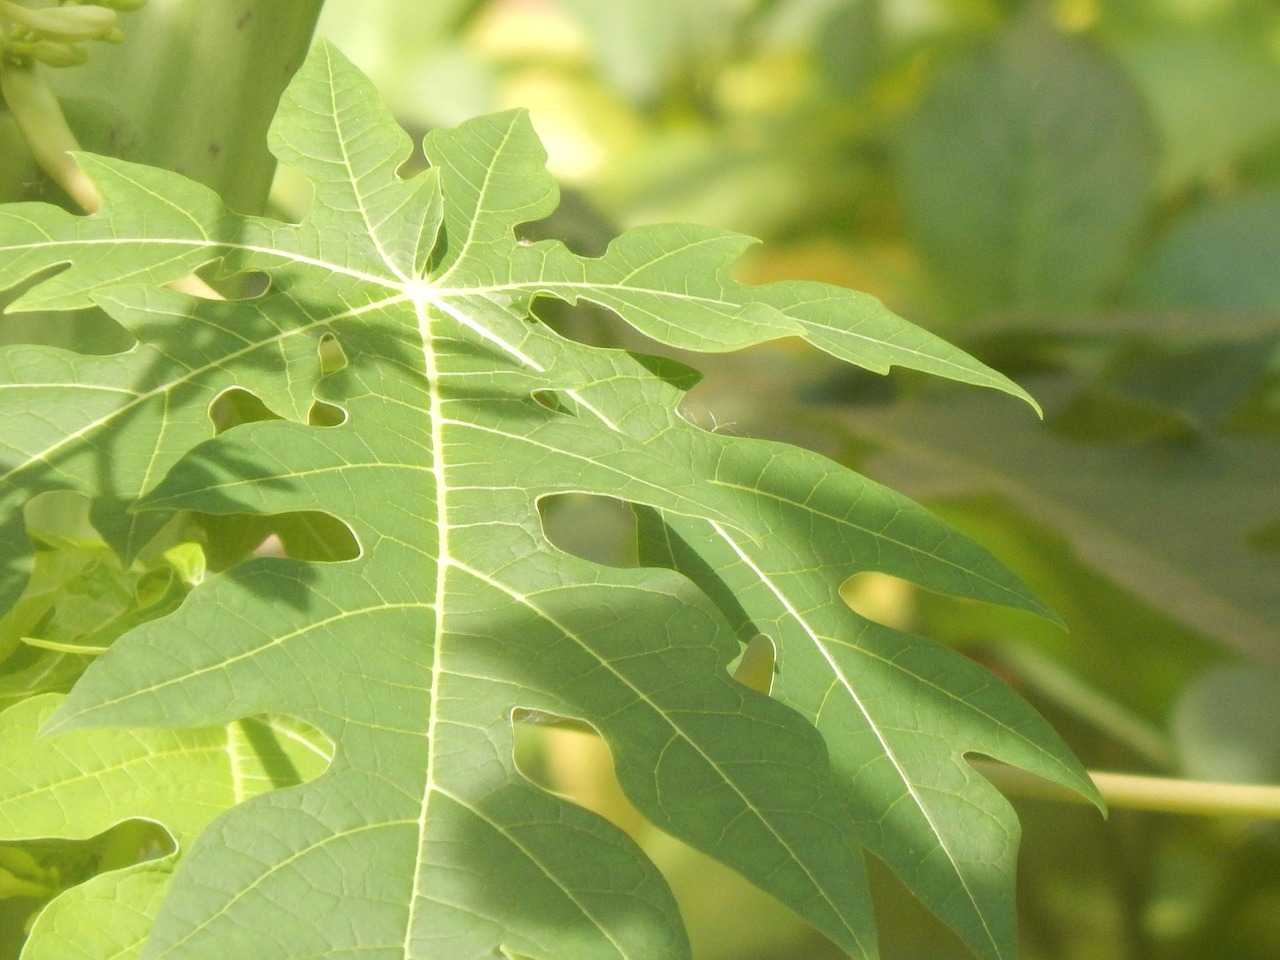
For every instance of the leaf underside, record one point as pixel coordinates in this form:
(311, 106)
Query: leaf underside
(458, 412)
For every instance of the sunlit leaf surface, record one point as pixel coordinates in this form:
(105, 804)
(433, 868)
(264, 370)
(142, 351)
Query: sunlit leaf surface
(450, 412)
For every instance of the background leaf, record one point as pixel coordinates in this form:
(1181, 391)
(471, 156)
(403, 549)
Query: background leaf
(1213, 88)
(1217, 258)
(1026, 171)
(1224, 721)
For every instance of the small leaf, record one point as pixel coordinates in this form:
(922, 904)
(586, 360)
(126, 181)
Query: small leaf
(1224, 724)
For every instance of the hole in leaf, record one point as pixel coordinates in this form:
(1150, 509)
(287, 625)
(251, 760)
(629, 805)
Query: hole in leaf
(576, 223)
(37, 870)
(306, 535)
(332, 357)
(324, 414)
(210, 285)
(579, 767)
(249, 285)
(291, 195)
(90, 331)
(599, 529)
(278, 751)
(881, 598)
(551, 400)
(530, 744)
(1016, 783)
(571, 760)
(234, 407)
(755, 668)
(583, 322)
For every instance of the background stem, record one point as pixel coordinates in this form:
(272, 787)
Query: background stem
(1136, 792)
(193, 88)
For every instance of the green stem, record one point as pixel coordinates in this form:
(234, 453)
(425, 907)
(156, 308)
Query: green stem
(39, 118)
(221, 66)
(1135, 792)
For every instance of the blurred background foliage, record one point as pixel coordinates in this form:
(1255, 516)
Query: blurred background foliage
(1083, 193)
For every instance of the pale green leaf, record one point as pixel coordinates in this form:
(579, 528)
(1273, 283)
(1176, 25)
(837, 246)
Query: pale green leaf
(1213, 89)
(106, 918)
(1224, 724)
(641, 45)
(1218, 261)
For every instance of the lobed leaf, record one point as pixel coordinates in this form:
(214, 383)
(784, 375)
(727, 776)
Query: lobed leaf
(452, 413)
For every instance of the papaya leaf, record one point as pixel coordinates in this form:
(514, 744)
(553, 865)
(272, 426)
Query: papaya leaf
(451, 412)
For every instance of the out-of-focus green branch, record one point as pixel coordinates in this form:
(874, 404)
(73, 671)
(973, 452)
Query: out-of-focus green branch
(222, 65)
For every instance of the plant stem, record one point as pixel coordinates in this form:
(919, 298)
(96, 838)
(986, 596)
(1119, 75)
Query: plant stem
(221, 65)
(1136, 792)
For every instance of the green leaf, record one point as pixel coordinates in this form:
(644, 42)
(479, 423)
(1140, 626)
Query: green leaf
(453, 413)
(80, 597)
(641, 45)
(1218, 261)
(898, 713)
(1027, 171)
(1224, 724)
(848, 46)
